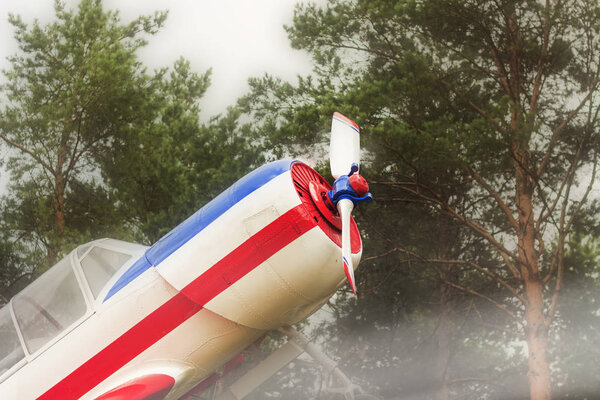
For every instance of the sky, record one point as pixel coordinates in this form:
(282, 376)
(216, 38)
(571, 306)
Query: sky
(237, 39)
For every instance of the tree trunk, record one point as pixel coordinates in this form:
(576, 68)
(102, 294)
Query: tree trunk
(59, 209)
(537, 342)
(444, 329)
(59, 193)
(536, 330)
(443, 338)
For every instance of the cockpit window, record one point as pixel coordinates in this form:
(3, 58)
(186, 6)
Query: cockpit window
(82, 249)
(11, 351)
(99, 265)
(49, 305)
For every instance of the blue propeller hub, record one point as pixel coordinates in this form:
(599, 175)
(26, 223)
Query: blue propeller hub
(352, 187)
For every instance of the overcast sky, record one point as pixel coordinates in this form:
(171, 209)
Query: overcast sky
(237, 39)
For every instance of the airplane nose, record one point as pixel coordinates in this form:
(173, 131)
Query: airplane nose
(291, 282)
(313, 191)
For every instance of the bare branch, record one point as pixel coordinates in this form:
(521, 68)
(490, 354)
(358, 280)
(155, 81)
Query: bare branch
(537, 83)
(489, 299)
(474, 226)
(560, 128)
(560, 246)
(504, 78)
(29, 152)
(557, 286)
(496, 196)
(387, 253)
(475, 107)
(489, 273)
(585, 195)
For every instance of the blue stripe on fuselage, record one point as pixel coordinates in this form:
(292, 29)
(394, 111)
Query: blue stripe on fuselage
(200, 220)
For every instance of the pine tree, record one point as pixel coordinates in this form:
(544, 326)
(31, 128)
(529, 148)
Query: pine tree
(482, 111)
(74, 87)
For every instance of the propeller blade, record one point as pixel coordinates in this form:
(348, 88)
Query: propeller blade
(345, 208)
(344, 149)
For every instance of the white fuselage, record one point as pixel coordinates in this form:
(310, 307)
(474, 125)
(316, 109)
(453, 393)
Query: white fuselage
(261, 263)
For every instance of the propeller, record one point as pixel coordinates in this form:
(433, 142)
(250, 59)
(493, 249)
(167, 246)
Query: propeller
(345, 208)
(349, 187)
(344, 150)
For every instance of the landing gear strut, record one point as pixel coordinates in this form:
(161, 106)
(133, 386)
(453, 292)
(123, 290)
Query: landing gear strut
(296, 345)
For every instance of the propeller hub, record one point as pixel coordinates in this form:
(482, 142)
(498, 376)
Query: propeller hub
(343, 189)
(313, 191)
(359, 184)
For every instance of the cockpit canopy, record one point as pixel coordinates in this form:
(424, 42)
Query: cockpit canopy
(59, 299)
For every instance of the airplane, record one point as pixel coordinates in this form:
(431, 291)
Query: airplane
(117, 320)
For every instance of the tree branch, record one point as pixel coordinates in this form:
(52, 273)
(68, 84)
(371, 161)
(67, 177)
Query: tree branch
(474, 226)
(497, 197)
(537, 82)
(489, 299)
(29, 152)
(560, 128)
(475, 107)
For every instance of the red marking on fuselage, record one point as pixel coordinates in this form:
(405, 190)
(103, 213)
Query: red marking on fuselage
(148, 387)
(208, 382)
(184, 304)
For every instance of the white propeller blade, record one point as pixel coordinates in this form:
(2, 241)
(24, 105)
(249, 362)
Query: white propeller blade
(345, 207)
(345, 145)
(344, 151)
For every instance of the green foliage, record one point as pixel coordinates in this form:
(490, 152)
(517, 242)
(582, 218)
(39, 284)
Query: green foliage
(15, 267)
(173, 165)
(73, 89)
(97, 146)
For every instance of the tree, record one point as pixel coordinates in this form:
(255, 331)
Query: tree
(496, 98)
(74, 88)
(577, 324)
(171, 166)
(403, 336)
(15, 267)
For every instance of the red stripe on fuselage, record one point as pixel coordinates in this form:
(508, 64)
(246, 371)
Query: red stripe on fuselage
(183, 305)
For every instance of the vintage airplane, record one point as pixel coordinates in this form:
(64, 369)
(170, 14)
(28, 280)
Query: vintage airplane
(116, 320)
